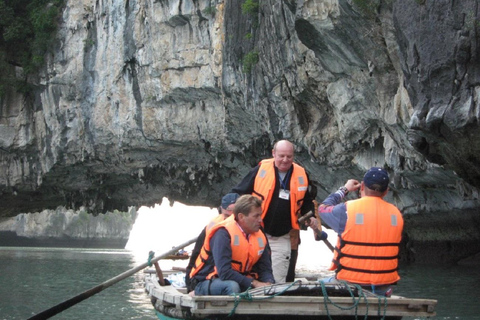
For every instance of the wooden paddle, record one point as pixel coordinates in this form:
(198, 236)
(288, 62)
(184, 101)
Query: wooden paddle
(87, 294)
(327, 243)
(308, 215)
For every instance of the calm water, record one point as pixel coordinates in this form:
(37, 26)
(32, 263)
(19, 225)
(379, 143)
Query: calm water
(456, 289)
(35, 279)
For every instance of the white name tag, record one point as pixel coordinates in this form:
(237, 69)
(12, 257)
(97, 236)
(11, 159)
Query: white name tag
(284, 194)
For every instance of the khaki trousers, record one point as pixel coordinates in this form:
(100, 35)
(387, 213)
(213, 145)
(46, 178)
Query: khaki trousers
(280, 247)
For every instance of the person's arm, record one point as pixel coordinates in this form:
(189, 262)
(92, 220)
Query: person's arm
(196, 249)
(222, 256)
(333, 213)
(258, 284)
(246, 185)
(194, 255)
(310, 195)
(318, 233)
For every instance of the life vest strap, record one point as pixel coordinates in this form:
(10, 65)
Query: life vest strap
(341, 255)
(239, 266)
(367, 271)
(369, 244)
(259, 195)
(204, 259)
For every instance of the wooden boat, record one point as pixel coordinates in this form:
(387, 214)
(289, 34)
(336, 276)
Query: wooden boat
(303, 299)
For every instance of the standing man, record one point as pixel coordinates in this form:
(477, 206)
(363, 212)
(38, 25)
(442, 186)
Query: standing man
(226, 210)
(284, 188)
(235, 255)
(369, 233)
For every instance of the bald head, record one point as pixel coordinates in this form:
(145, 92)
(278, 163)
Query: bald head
(283, 155)
(283, 144)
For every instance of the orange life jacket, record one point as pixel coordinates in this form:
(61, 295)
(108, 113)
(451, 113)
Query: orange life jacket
(367, 251)
(214, 221)
(245, 253)
(265, 186)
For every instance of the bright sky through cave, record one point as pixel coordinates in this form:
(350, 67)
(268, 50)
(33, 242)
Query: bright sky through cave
(162, 227)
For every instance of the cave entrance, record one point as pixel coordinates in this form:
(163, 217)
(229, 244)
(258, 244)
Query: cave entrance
(161, 227)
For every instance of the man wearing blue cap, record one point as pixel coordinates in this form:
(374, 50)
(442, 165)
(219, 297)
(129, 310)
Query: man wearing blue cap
(369, 233)
(225, 211)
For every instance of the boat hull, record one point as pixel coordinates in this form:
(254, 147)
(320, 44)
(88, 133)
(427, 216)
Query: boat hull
(301, 299)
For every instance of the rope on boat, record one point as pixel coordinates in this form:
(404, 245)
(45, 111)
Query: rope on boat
(361, 295)
(248, 297)
(151, 254)
(327, 300)
(384, 306)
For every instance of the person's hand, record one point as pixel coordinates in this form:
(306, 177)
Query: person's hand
(313, 223)
(321, 236)
(352, 185)
(258, 284)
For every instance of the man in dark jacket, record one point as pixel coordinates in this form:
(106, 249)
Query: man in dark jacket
(235, 255)
(285, 188)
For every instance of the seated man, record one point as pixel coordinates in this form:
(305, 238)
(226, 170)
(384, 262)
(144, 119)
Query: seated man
(225, 211)
(235, 255)
(369, 233)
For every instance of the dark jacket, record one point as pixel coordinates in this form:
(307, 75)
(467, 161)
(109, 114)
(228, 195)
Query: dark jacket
(277, 221)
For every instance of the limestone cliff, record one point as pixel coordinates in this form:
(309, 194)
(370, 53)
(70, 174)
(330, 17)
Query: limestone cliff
(68, 228)
(144, 99)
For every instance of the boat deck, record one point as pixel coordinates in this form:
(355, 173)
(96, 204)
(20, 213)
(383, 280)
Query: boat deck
(302, 298)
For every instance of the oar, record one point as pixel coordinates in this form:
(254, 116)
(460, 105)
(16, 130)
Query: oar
(308, 215)
(329, 245)
(87, 294)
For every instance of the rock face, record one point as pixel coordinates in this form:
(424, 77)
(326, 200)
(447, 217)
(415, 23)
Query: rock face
(147, 99)
(68, 228)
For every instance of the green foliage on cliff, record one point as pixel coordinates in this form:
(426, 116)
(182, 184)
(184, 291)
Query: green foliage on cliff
(368, 7)
(27, 30)
(211, 10)
(249, 60)
(250, 7)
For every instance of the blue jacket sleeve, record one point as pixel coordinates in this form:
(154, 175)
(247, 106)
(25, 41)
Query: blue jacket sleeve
(333, 213)
(222, 256)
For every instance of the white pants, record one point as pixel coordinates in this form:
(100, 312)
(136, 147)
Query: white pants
(281, 247)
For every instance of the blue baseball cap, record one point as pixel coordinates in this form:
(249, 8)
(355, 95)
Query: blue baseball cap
(376, 179)
(228, 199)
